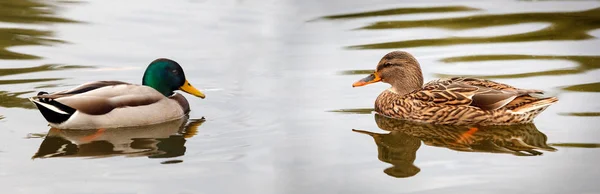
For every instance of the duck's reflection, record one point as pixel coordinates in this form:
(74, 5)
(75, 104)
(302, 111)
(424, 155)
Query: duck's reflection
(163, 140)
(399, 147)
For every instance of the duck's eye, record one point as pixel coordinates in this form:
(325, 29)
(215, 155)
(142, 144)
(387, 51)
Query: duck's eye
(174, 71)
(387, 64)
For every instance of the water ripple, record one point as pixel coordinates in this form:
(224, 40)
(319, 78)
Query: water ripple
(402, 11)
(27, 12)
(564, 26)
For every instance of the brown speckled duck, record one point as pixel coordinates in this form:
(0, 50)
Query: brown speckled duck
(453, 101)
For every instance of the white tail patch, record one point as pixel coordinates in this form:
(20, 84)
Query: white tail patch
(49, 106)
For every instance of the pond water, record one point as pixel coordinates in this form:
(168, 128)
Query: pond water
(280, 114)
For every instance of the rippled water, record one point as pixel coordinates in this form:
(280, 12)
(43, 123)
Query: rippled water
(280, 115)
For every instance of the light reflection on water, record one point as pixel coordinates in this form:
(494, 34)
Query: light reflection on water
(26, 12)
(564, 26)
(399, 146)
(279, 108)
(164, 140)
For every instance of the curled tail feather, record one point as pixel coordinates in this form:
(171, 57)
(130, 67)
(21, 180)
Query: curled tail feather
(53, 111)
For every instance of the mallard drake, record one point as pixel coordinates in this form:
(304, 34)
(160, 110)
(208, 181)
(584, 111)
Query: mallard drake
(453, 101)
(112, 104)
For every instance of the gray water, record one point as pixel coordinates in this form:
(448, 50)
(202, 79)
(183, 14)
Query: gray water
(280, 110)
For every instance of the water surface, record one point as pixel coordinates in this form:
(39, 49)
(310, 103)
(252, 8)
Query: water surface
(281, 115)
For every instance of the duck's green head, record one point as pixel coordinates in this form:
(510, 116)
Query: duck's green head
(166, 76)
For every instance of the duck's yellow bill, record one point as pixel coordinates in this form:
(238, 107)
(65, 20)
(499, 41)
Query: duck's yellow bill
(374, 77)
(187, 87)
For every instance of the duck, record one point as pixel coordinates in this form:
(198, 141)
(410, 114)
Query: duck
(450, 101)
(116, 104)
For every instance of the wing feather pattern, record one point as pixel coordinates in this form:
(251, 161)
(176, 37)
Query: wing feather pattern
(484, 94)
(101, 97)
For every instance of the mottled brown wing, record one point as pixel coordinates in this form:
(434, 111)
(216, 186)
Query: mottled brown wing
(492, 99)
(473, 82)
(445, 92)
(483, 83)
(484, 94)
(493, 95)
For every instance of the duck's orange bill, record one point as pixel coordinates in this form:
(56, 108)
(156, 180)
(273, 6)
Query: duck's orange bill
(374, 77)
(187, 87)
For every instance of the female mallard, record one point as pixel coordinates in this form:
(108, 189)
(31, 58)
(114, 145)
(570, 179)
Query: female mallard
(454, 101)
(110, 104)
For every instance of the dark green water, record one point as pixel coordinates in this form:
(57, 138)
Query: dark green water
(280, 113)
